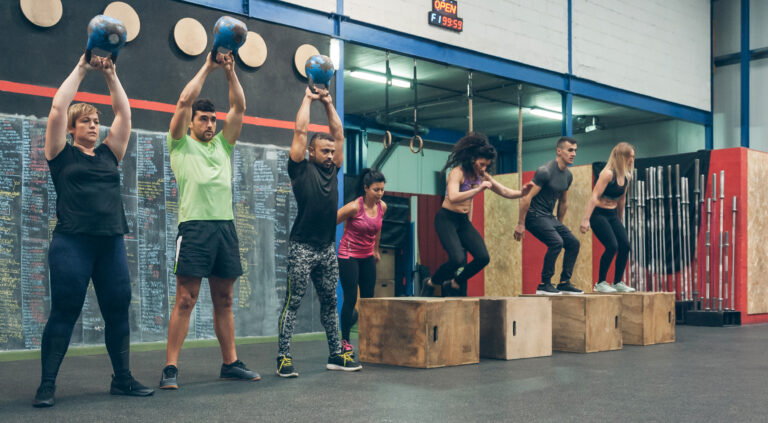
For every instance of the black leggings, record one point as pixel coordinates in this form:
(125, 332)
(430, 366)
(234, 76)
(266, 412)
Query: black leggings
(355, 272)
(612, 234)
(74, 260)
(556, 237)
(458, 236)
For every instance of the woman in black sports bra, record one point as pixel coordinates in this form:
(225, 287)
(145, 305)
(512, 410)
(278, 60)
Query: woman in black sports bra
(604, 214)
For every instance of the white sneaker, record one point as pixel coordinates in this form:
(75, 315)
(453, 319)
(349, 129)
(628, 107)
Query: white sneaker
(604, 287)
(622, 287)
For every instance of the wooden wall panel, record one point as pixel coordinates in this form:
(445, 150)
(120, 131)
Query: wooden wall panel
(504, 274)
(757, 230)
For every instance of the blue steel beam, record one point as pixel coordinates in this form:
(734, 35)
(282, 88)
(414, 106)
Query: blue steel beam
(621, 97)
(236, 6)
(432, 50)
(709, 142)
(744, 56)
(566, 128)
(294, 16)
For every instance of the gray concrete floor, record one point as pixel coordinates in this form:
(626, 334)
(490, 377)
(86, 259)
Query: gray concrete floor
(709, 374)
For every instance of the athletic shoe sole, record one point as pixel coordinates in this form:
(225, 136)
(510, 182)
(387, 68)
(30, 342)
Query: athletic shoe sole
(131, 393)
(169, 387)
(287, 375)
(43, 404)
(548, 293)
(239, 378)
(571, 293)
(342, 368)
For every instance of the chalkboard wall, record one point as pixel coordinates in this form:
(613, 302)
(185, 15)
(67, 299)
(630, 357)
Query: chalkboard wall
(150, 68)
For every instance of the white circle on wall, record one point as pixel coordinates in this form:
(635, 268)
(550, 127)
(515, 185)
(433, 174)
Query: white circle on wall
(303, 53)
(254, 51)
(43, 13)
(190, 36)
(124, 13)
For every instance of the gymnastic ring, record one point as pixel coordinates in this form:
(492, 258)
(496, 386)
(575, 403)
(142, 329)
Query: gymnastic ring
(387, 139)
(421, 144)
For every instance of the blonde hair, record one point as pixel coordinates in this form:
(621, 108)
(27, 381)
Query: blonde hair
(618, 161)
(77, 110)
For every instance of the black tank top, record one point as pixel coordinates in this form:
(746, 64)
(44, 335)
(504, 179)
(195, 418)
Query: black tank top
(613, 191)
(88, 197)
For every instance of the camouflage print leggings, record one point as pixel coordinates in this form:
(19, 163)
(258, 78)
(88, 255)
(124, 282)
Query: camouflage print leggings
(308, 263)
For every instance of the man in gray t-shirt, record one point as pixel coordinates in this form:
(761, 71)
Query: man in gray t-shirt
(550, 186)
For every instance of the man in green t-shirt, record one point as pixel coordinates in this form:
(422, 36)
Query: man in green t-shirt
(206, 246)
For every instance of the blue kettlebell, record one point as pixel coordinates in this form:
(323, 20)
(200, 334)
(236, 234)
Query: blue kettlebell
(319, 70)
(228, 34)
(105, 33)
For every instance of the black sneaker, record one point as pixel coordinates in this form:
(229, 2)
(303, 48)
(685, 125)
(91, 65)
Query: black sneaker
(127, 385)
(343, 361)
(168, 380)
(568, 289)
(285, 366)
(238, 371)
(44, 395)
(547, 289)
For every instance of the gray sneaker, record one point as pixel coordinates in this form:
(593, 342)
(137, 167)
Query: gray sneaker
(622, 287)
(169, 378)
(604, 288)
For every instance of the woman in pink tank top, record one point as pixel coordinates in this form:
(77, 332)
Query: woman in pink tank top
(359, 246)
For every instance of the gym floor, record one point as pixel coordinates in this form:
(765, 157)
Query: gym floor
(709, 374)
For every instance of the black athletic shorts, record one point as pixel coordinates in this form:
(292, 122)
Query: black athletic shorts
(208, 248)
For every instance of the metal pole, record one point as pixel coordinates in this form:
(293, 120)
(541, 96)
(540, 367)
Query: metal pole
(720, 255)
(708, 246)
(630, 233)
(725, 274)
(657, 227)
(703, 185)
(519, 136)
(733, 256)
(650, 227)
(671, 230)
(469, 102)
(713, 278)
(683, 292)
(641, 227)
(662, 227)
(695, 257)
(687, 238)
(636, 229)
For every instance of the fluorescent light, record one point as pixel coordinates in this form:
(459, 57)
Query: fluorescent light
(401, 83)
(381, 79)
(547, 114)
(335, 53)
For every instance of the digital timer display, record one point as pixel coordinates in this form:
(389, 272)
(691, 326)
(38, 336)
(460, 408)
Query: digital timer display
(448, 22)
(444, 14)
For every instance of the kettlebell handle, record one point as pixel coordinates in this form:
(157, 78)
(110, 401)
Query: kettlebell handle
(311, 84)
(112, 57)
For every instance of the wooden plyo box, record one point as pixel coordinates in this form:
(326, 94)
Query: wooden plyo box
(586, 323)
(419, 332)
(515, 327)
(648, 317)
(384, 288)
